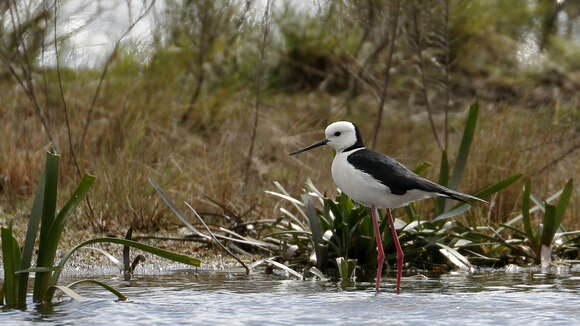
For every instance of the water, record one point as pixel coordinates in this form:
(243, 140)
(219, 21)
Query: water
(222, 298)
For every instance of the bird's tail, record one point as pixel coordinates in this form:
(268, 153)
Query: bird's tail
(460, 196)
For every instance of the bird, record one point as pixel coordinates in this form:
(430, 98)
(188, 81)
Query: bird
(377, 181)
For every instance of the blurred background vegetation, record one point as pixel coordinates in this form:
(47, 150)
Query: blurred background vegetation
(213, 94)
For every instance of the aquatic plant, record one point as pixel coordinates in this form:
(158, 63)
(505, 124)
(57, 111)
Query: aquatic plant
(540, 240)
(128, 266)
(17, 263)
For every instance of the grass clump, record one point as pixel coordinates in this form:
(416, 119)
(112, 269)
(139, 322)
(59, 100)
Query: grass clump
(17, 262)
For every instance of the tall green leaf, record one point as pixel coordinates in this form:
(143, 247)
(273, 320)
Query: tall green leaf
(320, 250)
(50, 244)
(464, 147)
(554, 214)
(443, 180)
(11, 260)
(48, 213)
(564, 201)
(526, 213)
(550, 225)
(50, 196)
(33, 225)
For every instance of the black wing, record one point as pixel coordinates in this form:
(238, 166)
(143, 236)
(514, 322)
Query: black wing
(395, 175)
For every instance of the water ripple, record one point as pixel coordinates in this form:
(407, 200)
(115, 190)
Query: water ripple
(221, 298)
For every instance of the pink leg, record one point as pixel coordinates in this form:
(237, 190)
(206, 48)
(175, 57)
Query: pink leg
(400, 255)
(381, 253)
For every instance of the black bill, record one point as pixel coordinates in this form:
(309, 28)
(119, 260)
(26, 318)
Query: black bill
(320, 143)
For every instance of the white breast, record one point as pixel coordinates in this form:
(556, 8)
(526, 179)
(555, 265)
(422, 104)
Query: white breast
(366, 190)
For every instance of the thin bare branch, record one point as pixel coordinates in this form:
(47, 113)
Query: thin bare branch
(217, 241)
(393, 31)
(447, 75)
(62, 98)
(266, 19)
(25, 81)
(417, 34)
(110, 59)
(557, 160)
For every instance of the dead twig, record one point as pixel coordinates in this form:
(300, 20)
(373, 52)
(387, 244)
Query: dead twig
(217, 241)
(393, 31)
(25, 81)
(61, 95)
(421, 64)
(266, 18)
(447, 75)
(557, 160)
(110, 59)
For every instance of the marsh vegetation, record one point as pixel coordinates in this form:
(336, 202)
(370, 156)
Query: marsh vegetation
(479, 95)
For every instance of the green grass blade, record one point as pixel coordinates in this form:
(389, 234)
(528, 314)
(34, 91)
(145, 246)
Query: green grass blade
(411, 212)
(109, 288)
(346, 268)
(44, 259)
(564, 201)
(50, 177)
(533, 209)
(65, 213)
(496, 187)
(550, 226)
(11, 260)
(33, 226)
(464, 147)
(526, 213)
(50, 245)
(150, 249)
(421, 168)
(316, 229)
(462, 208)
(443, 180)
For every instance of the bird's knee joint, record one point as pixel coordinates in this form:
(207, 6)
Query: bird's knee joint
(381, 257)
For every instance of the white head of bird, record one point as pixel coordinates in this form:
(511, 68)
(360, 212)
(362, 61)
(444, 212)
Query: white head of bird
(340, 135)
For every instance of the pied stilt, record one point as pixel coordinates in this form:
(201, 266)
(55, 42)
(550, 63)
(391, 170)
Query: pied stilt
(377, 181)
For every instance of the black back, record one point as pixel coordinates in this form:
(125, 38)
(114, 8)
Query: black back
(393, 174)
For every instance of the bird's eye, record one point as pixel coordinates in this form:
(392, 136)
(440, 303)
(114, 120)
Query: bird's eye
(337, 133)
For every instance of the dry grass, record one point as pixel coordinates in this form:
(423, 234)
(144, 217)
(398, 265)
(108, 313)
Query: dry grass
(136, 135)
